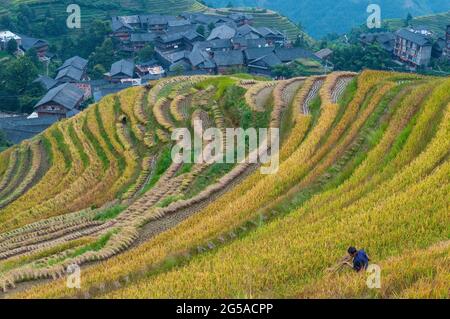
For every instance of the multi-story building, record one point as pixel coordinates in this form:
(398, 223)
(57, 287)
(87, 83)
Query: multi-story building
(413, 47)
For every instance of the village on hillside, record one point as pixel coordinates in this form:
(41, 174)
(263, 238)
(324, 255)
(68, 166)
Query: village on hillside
(188, 44)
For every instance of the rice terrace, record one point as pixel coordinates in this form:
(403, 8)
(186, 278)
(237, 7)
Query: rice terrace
(367, 150)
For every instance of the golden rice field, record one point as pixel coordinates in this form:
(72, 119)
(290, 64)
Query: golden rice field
(364, 160)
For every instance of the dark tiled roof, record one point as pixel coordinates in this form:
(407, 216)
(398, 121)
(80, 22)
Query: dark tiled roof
(197, 56)
(222, 32)
(19, 128)
(264, 31)
(385, 36)
(229, 58)
(202, 18)
(179, 22)
(27, 42)
(151, 62)
(67, 95)
(154, 19)
(134, 19)
(181, 29)
(247, 30)
(76, 62)
(324, 53)
(257, 43)
(143, 37)
(217, 44)
(200, 58)
(70, 72)
(72, 112)
(385, 39)
(175, 56)
(196, 72)
(239, 40)
(192, 35)
(98, 83)
(151, 77)
(119, 23)
(256, 53)
(46, 82)
(122, 67)
(103, 90)
(171, 37)
(291, 54)
(251, 43)
(413, 37)
(441, 44)
(270, 60)
(240, 16)
(180, 63)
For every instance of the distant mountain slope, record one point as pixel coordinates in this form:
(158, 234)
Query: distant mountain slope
(91, 9)
(268, 18)
(437, 23)
(325, 16)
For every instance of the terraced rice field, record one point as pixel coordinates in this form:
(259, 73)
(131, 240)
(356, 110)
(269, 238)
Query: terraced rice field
(268, 18)
(365, 151)
(436, 23)
(92, 10)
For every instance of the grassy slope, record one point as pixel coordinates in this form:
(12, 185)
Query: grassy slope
(436, 23)
(398, 188)
(270, 19)
(282, 258)
(94, 9)
(327, 16)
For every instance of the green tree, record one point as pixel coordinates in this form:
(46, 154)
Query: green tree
(90, 38)
(11, 46)
(19, 74)
(18, 93)
(300, 41)
(357, 57)
(408, 19)
(26, 11)
(178, 70)
(33, 56)
(201, 30)
(282, 70)
(103, 55)
(66, 49)
(3, 141)
(25, 16)
(146, 53)
(6, 22)
(98, 71)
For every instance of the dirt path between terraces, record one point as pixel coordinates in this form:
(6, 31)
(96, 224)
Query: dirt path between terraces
(148, 231)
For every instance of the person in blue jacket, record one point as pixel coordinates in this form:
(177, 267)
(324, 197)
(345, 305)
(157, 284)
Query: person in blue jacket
(360, 259)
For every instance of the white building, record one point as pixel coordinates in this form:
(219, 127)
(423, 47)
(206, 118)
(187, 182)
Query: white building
(6, 36)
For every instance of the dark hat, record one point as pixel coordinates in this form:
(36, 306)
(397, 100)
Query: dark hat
(351, 250)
